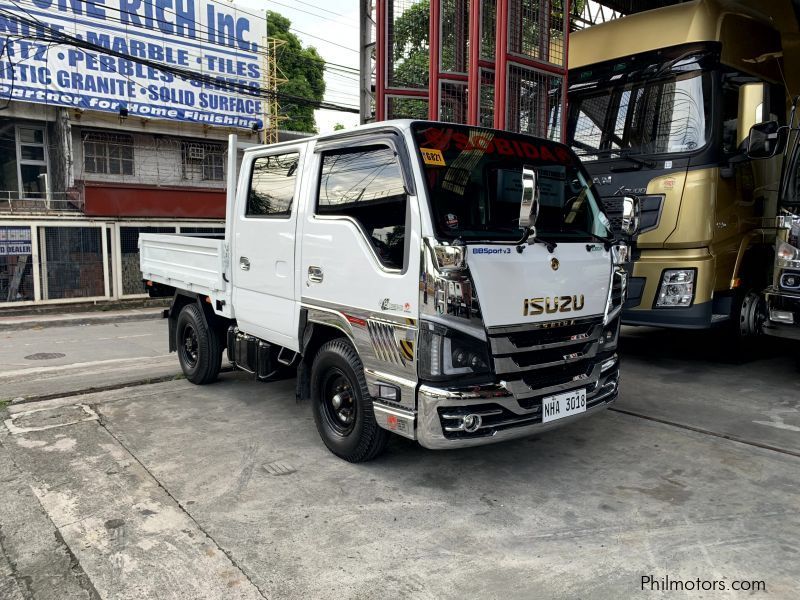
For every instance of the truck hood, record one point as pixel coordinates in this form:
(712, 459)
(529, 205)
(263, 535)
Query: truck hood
(533, 286)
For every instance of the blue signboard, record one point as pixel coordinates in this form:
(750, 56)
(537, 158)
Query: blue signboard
(212, 39)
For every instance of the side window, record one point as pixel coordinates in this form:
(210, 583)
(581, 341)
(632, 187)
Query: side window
(367, 185)
(272, 185)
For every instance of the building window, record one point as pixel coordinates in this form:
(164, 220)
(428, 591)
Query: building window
(108, 153)
(32, 161)
(203, 161)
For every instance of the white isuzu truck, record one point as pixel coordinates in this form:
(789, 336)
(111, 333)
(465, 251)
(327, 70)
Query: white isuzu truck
(454, 285)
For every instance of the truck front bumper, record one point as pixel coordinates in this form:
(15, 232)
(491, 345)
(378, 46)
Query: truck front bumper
(783, 318)
(440, 411)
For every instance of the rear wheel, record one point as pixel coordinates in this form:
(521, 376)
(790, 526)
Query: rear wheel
(199, 347)
(342, 406)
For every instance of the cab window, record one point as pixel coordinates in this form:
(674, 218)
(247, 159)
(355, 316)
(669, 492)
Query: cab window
(366, 184)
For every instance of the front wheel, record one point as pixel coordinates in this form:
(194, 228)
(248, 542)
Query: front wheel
(342, 406)
(199, 348)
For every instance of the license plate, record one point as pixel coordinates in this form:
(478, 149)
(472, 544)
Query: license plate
(563, 405)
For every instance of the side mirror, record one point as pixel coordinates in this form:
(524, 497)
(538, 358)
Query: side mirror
(766, 140)
(529, 207)
(751, 109)
(631, 213)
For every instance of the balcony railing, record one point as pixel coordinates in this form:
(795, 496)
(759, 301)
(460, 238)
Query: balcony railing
(36, 203)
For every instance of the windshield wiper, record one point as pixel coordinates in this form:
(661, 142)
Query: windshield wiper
(607, 242)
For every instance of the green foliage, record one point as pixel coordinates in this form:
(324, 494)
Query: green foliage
(304, 69)
(338, 127)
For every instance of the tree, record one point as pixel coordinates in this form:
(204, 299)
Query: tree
(304, 68)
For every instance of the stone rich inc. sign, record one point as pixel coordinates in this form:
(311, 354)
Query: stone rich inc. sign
(211, 38)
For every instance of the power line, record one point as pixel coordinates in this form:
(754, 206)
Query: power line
(324, 40)
(306, 11)
(320, 8)
(205, 30)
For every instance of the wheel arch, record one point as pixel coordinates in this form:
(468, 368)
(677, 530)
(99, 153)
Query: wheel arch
(313, 334)
(214, 322)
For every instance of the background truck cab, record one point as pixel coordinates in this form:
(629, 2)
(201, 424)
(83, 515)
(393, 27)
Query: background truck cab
(661, 104)
(396, 267)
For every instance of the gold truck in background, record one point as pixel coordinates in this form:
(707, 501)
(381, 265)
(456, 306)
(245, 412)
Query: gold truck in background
(661, 104)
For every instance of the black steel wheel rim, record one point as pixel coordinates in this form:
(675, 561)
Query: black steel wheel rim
(189, 346)
(338, 403)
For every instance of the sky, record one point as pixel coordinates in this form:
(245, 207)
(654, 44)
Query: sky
(336, 38)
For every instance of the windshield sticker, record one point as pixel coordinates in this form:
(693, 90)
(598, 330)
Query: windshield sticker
(432, 156)
(451, 221)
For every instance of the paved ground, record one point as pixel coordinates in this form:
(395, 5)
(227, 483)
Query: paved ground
(175, 491)
(47, 361)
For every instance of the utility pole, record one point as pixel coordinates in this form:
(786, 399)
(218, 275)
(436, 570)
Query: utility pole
(275, 78)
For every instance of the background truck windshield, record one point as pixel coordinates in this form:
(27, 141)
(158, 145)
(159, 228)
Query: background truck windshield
(474, 182)
(648, 106)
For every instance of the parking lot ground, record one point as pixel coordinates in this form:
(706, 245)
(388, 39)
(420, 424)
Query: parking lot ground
(226, 491)
(698, 380)
(48, 361)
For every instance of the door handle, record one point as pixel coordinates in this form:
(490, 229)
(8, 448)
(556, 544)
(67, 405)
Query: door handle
(315, 274)
(244, 263)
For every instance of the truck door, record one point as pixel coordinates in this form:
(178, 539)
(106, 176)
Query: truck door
(361, 242)
(263, 246)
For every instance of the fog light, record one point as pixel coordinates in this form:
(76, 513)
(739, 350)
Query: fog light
(472, 423)
(790, 280)
(608, 364)
(781, 316)
(677, 288)
(388, 392)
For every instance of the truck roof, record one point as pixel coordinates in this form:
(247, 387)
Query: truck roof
(403, 124)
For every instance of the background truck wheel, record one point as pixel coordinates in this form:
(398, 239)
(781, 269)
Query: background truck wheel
(342, 406)
(199, 348)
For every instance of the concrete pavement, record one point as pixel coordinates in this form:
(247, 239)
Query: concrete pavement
(46, 362)
(174, 490)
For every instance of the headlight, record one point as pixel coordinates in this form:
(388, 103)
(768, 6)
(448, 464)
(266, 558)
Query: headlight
(444, 353)
(676, 289)
(788, 256)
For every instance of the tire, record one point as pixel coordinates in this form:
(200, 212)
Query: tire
(342, 406)
(742, 340)
(199, 347)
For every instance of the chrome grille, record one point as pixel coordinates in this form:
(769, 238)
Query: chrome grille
(535, 360)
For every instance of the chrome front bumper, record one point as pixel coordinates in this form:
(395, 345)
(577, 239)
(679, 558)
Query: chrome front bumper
(503, 418)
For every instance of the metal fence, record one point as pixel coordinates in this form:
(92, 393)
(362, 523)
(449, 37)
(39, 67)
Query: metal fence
(58, 260)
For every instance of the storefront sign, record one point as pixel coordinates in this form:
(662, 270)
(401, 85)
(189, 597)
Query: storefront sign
(209, 37)
(15, 241)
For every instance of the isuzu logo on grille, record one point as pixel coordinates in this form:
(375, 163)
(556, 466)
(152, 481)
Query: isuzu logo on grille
(552, 304)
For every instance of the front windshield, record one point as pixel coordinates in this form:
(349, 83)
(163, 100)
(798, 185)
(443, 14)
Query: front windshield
(655, 103)
(474, 181)
(664, 116)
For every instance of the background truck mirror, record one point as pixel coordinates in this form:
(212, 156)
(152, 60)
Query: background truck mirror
(766, 140)
(752, 109)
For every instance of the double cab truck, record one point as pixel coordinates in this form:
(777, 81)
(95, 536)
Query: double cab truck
(453, 285)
